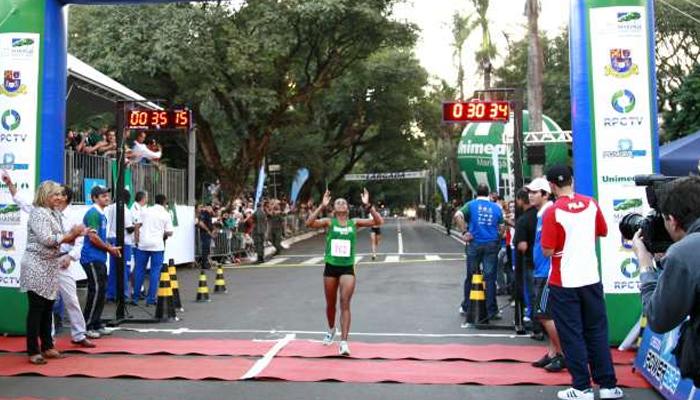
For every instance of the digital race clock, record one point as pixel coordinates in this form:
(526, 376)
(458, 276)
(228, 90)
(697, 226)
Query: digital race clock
(476, 111)
(141, 119)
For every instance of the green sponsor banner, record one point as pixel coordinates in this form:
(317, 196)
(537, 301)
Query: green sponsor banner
(128, 184)
(21, 57)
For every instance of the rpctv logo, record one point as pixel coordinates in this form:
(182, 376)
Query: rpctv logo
(7, 240)
(630, 268)
(623, 101)
(9, 120)
(625, 149)
(7, 265)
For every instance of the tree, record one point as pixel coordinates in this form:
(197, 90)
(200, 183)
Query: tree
(462, 27)
(245, 72)
(685, 119)
(677, 46)
(487, 50)
(556, 104)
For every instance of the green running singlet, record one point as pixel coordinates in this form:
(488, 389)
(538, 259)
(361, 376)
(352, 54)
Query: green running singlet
(340, 244)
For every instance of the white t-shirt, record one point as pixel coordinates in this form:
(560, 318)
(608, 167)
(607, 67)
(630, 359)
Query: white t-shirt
(111, 214)
(140, 151)
(155, 222)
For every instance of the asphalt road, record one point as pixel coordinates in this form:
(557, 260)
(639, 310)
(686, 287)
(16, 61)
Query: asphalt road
(410, 294)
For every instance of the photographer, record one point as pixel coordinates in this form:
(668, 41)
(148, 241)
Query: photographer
(673, 294)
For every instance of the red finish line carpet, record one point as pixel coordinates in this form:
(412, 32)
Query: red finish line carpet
(300, 361)
(307, 349)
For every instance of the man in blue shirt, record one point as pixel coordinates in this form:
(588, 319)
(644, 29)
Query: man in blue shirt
(93, 258)
(539, 192)
(481, 222)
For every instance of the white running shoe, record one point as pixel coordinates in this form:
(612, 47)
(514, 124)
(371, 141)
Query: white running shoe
(328, 339)
(93, 334)
(575, 394)
(344, 349)
(614, 393)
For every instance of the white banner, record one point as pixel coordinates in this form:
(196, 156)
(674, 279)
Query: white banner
(384, 176)
(623, 142)
(19, 64)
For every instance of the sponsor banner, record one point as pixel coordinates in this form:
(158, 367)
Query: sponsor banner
(19, 66)
(623, 131)
(658, 365)
(383, 176)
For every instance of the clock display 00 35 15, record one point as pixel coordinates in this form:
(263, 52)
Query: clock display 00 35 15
(158, 119)
(476, 111)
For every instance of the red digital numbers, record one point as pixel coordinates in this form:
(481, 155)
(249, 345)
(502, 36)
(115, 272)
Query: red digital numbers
(475, 111)
(158, 119)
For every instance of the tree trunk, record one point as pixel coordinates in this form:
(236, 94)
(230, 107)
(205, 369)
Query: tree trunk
(535, 71)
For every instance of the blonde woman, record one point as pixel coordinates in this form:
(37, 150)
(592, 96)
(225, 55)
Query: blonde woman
(40, 264)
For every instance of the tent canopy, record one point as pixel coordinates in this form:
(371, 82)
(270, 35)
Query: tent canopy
(682, 156)
(91, 92)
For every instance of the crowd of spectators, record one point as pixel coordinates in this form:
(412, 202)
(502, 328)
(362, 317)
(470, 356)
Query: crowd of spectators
(241, 225)
(103, 142)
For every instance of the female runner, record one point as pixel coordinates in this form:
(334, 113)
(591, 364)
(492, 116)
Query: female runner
(339, 274)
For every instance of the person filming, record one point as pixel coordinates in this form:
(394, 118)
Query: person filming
(671, 293)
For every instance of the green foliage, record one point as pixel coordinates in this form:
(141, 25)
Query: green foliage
(685, 119)
(263, 76)
(557, 97)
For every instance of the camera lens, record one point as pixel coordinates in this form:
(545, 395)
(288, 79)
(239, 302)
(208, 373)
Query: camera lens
(630, 224)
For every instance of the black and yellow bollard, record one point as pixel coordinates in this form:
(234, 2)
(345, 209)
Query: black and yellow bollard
(642, 326)
(175, 285)
(165, 311)
(476, 313)
(203, 289)
(219, 283)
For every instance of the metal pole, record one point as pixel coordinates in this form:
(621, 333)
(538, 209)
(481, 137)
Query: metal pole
(191, 163)
(120, 210)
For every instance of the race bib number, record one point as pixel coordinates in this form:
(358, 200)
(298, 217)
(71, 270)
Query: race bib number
(340, 248)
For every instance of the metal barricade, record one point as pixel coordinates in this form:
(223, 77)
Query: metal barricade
(152, 178)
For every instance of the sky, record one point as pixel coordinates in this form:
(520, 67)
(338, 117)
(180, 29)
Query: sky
(434, 18)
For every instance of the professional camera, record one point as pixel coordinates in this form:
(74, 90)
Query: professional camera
(654, 234)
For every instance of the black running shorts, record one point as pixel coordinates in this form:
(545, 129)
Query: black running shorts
(335, 271)
(376, 230)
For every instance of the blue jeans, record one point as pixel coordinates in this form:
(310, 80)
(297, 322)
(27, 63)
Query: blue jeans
(580, 317)
(141, 257)
(486, 255)
(112, 279)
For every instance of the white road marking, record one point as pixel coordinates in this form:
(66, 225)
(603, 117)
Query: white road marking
(180, 331)
(262, 363)
(453, 236)
(391, 259)
(313, 261)
(357, 259)
(398, 229)
(276, 261)
(432, 257)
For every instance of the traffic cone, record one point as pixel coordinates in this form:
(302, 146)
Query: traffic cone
(203, 289)
(476, 313)
(219, 283)
(174, 285)
(642, 325)
(165, 312)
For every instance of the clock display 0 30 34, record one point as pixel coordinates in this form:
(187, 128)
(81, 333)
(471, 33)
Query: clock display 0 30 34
(476, 111)
(141, 119)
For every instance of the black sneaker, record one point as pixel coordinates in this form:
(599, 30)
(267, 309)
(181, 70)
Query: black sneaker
(539, 336)
(557, 364)
(542, 362)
